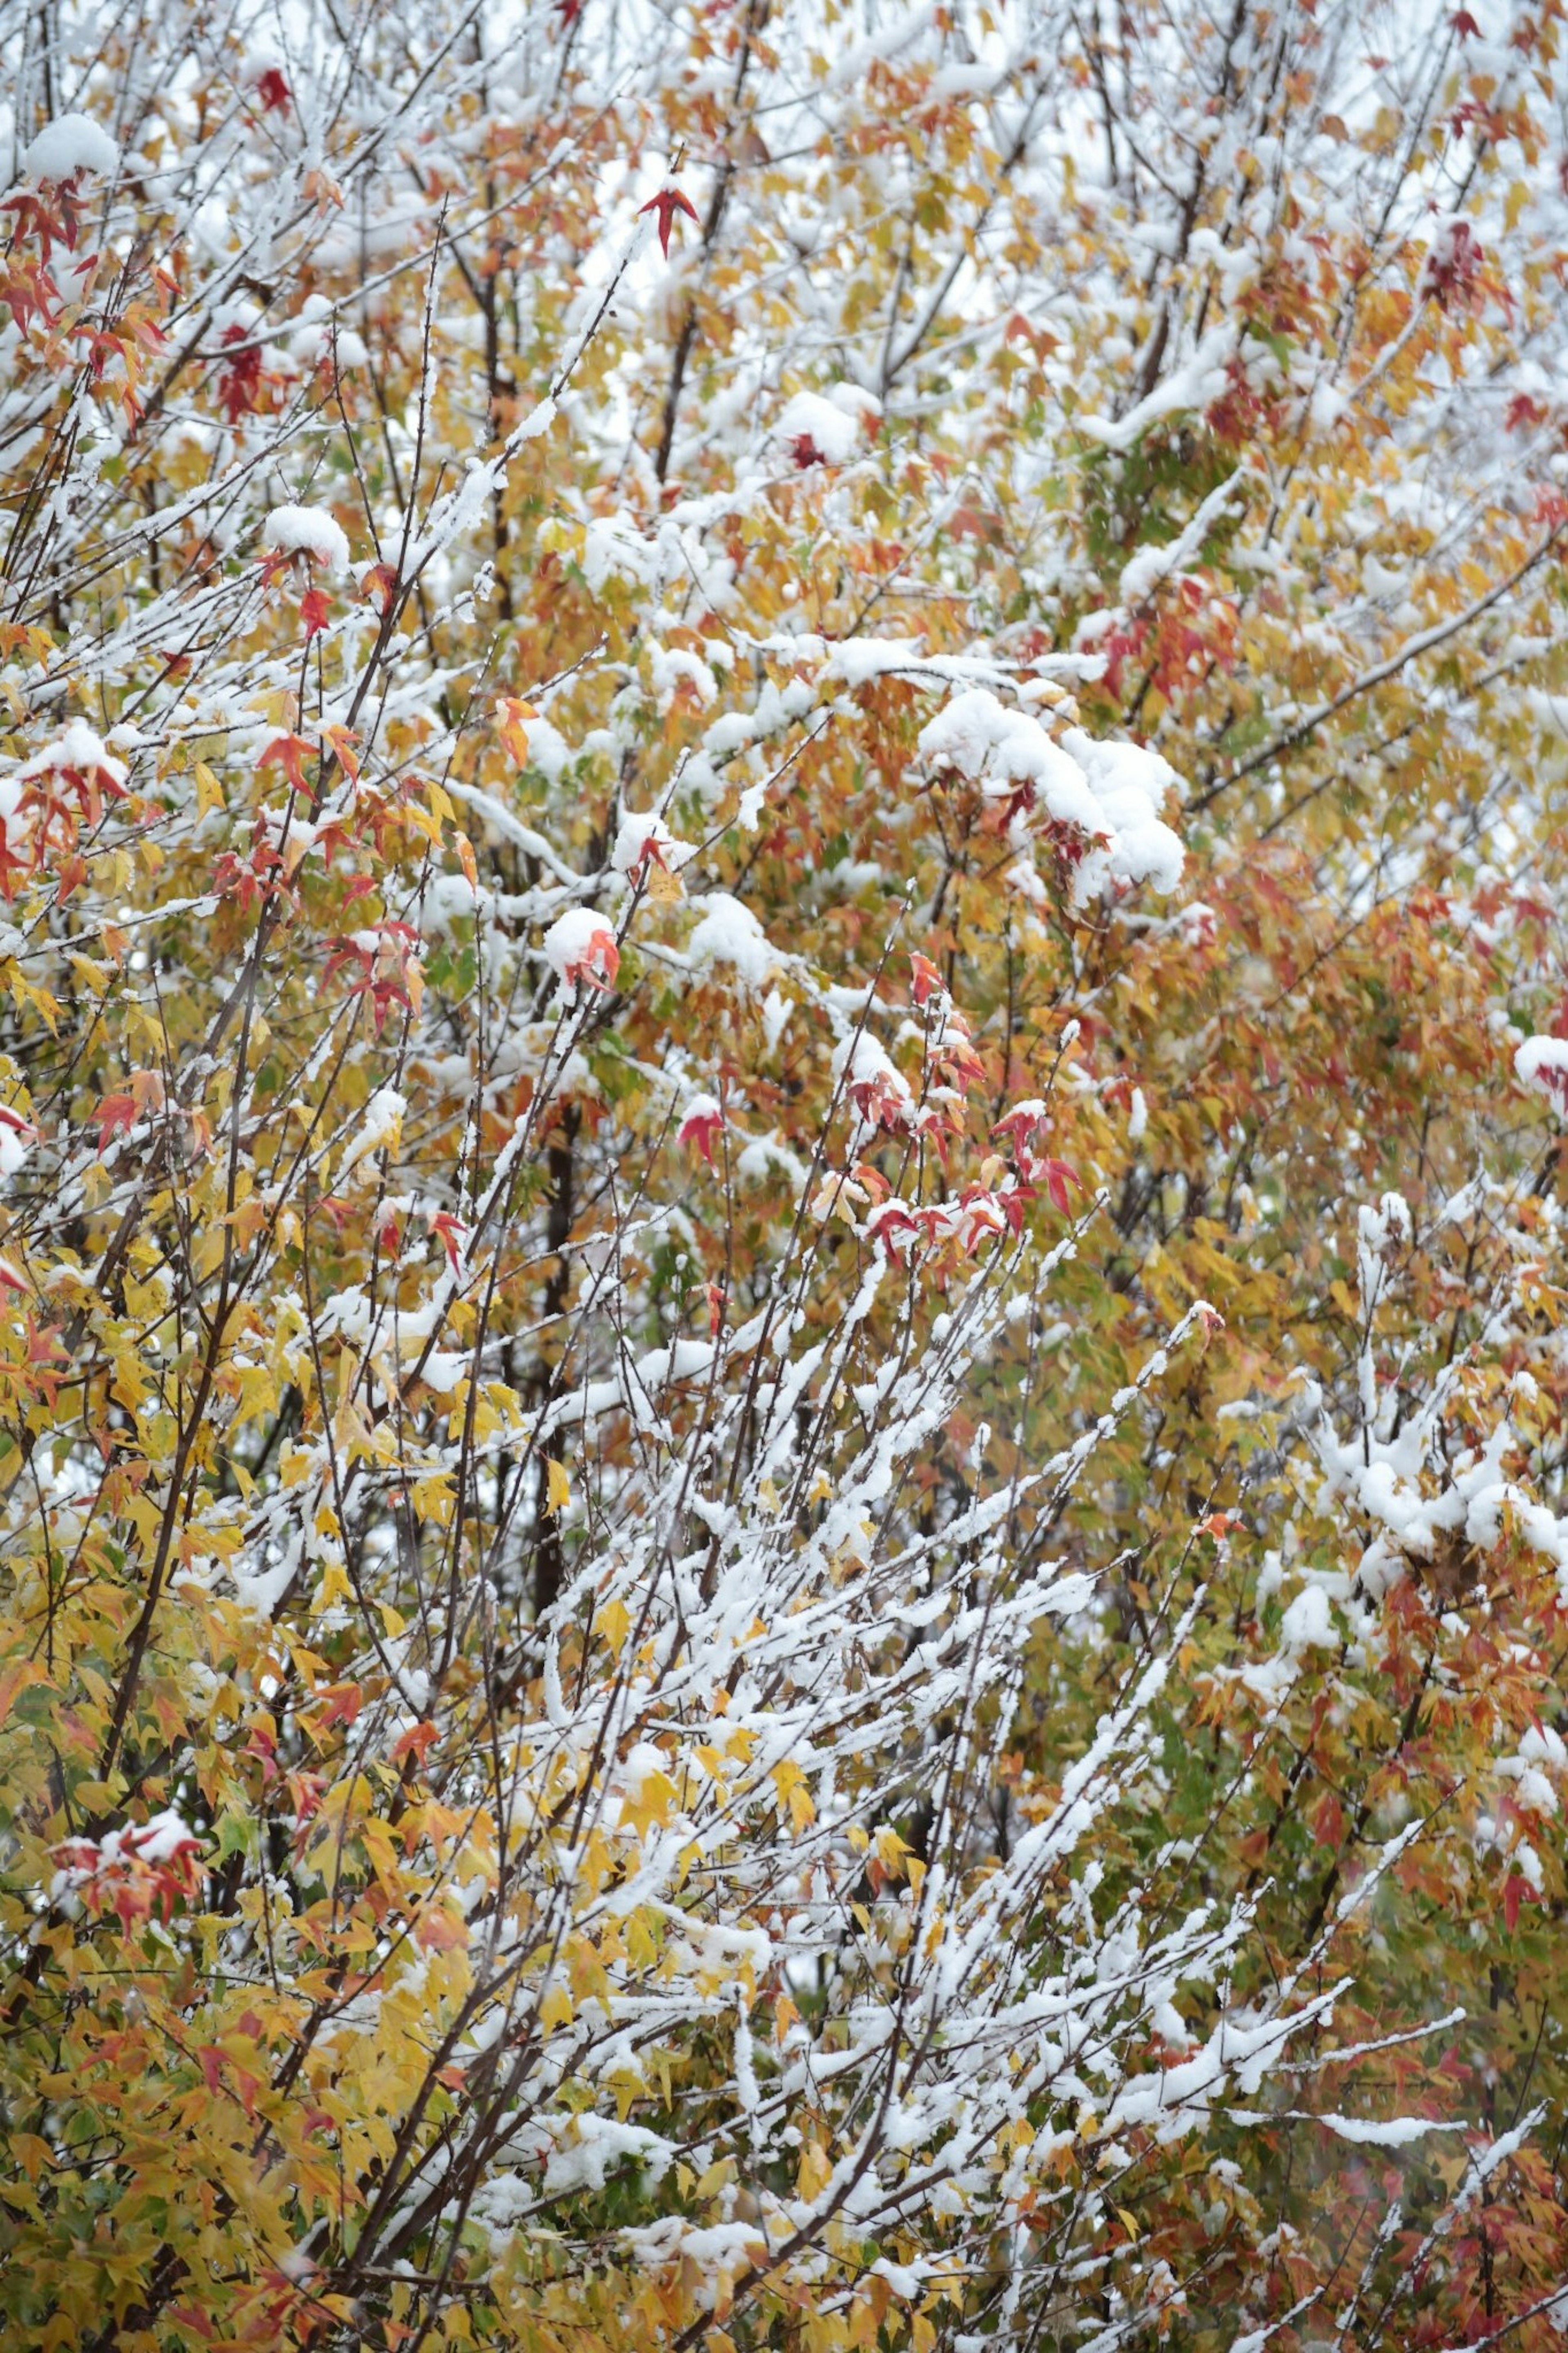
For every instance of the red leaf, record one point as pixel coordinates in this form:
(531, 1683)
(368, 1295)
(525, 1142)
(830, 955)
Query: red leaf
(1058, 1176)
(115, 1113)
(343, 1704)
(1329, 1822)
(1516, 1890)
(667, 204)
(702, 1123)
(928, 981)
(414, 1742)
(451, 1231)
(289, 754)
(314, 612)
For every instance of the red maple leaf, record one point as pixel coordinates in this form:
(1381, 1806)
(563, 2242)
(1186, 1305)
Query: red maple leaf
(667, 204)
(928, 981)
(273, 90)
(1516, 1890)
(451, 1231)
(314, 612)
(702, 1123)
(1058, 1177)
(239, 379)
(115, 1115)
(414, 1742)
(289, 754)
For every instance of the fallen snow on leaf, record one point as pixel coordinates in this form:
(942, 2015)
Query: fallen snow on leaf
(310, 532)
(644, 841)
(70, 143)
(729, 933)
(1110, 793)
(77, 746)
(829, 429)
(1542, 1063)
(580, 944)
(379, 1126)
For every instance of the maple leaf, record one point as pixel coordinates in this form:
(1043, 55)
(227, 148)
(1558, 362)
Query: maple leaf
(240, 376)
(1517, 1890)
(648, 1803)
(451, 1230)
(380, 582)
(703, 1122)
(1058, 1177)
(116, 1115)
(667, 204)
(289, 754)
(515, 714)
(416, 1741)
(927, 981)
(315, 611)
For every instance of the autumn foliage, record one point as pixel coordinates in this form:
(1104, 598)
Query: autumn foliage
(782, 1053)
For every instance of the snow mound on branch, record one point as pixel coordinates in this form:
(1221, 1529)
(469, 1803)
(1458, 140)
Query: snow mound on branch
(1542, 1063)
(77, 746)
(647, 840)
(316, 337)
(70, 143)
(597, 2143)
(1110, 793)
(831, 426)
(573, 943)
(729, 933)
(548, 750)
(1131, 784)
(308, 530)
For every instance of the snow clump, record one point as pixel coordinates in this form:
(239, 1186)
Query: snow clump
(70, 144)
(310, 532)
(1542, 1063)
(1110, 793)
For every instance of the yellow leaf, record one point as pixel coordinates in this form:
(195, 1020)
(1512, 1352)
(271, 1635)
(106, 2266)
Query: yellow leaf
(650, 1803)
(891, 1852)
(555, 2009)
(790, 1782)
(35, 2153)
(209, 792)
(432, 1499)
(560, 1487)
(333, 1588)
(614, 1623)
